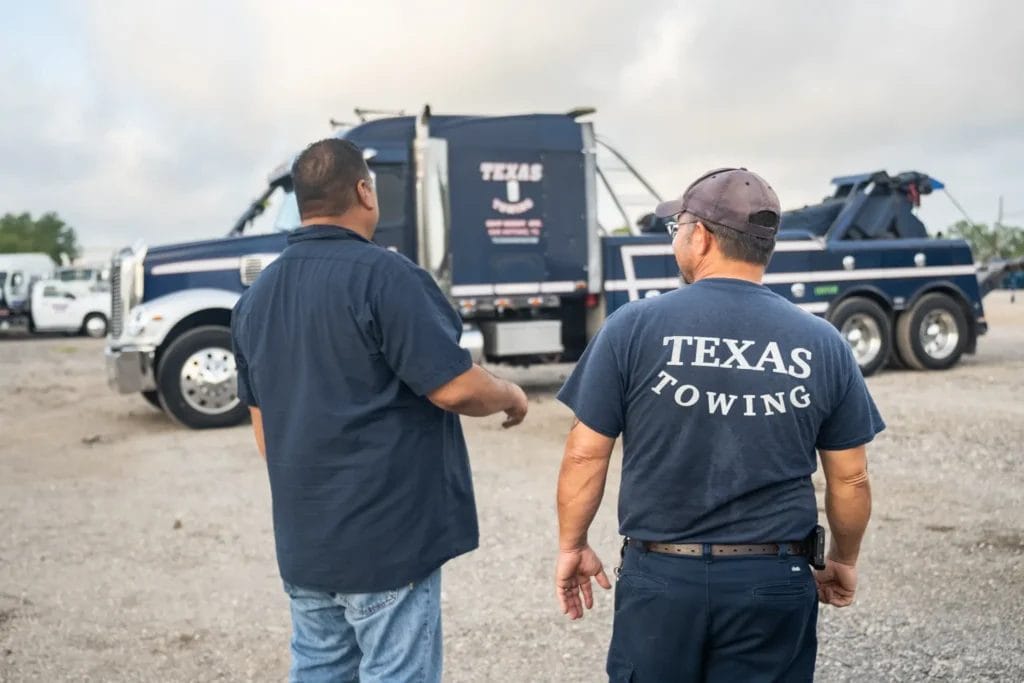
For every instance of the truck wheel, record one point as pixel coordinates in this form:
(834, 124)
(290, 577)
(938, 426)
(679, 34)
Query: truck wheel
(153, 399)
(95, 325)
(866, 328)
(198, 381)
(933, 334)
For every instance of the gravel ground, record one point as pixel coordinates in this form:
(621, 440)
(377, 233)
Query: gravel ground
(134, 550)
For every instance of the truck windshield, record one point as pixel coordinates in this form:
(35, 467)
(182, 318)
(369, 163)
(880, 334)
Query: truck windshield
(75, 275)
(281, 210)
(281, 213)
(288, 215)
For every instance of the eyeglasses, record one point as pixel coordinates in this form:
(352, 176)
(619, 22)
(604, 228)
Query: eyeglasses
(672, 226)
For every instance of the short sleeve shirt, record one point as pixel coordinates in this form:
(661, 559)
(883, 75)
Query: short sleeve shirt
(338, 342)
(721, 391)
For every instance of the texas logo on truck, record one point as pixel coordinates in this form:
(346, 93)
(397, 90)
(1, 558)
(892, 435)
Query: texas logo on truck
(510, 225)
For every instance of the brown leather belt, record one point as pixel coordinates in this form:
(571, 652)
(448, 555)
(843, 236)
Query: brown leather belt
(697, 549)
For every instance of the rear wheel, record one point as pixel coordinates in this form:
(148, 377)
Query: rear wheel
(95, 325)
(933, 334)
(198, 381)
(866, 328)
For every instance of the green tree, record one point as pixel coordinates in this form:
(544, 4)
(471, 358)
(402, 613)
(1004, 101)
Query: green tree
(999, 241)
(47, 234)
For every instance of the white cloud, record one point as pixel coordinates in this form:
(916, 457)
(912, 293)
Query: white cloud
(167, 116)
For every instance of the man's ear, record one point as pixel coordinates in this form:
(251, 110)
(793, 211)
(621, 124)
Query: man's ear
(365, 193)
(705, 239)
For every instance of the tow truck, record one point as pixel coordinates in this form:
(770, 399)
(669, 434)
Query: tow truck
(503, 212)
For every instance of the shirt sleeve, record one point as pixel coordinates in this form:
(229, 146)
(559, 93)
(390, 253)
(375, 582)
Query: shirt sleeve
(419, 329)
(855, 420)
(595, 391)
(245, 391)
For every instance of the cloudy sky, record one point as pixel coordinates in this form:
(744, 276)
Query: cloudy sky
(161, 120)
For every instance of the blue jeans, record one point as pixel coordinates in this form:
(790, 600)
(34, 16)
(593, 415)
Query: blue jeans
(388, 636)
(680, 618)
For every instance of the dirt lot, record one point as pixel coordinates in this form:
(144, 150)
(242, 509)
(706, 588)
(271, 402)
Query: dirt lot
(135, 550)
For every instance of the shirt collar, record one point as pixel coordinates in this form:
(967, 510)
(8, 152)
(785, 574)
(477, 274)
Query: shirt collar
(324, 232)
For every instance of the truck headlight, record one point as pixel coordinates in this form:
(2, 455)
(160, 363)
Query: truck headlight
(137, 322)
(139, 319)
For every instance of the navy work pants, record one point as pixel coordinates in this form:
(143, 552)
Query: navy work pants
(710, 618)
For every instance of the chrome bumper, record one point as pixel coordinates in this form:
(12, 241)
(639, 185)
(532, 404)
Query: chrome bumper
(130, 369)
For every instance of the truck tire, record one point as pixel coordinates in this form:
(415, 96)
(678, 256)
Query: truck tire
(197, 380)
(933, 334)
(867, 329)
(95, 326)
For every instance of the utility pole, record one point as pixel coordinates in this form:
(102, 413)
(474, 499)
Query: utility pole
(999, 216)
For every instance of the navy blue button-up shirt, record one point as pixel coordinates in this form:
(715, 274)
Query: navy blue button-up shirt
(338, 342)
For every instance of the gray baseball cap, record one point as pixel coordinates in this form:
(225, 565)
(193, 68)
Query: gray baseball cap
(733, 197)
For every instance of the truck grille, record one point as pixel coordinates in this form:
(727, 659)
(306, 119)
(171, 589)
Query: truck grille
(252, 266)
(116, 305)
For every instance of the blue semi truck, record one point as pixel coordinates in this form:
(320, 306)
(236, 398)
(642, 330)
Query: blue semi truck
(503, 212)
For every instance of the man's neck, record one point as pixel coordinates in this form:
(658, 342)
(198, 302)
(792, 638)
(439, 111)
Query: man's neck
(342, 221)
(735, 270)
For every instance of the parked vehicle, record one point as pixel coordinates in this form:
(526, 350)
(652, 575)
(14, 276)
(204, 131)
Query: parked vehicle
(18, 272)
(61, 306)
(503, 212)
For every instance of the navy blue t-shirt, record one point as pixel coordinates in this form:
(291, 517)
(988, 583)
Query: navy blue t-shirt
(338, 342)
(722, 391)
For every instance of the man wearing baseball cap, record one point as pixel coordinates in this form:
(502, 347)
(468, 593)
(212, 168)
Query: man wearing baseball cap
(723, 392)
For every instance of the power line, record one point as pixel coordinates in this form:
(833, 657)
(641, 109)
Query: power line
(957, 205)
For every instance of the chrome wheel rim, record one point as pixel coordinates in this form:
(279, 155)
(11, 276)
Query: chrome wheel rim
(209, 381)
(864, 336)
(96, 327)
(939, 334)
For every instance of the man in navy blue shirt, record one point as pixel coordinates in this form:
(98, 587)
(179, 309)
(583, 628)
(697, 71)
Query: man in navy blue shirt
(348, 356)
(722, 391)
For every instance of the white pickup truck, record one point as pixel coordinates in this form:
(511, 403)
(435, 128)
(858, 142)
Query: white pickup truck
(75, 302)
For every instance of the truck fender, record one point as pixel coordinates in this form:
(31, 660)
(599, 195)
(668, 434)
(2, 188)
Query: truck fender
(866, 291)
(946, 287)
(164, 315)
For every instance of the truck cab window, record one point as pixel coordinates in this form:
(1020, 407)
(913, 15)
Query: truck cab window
(288, 215)
(389, 183)
(281, 214)
(76, 275)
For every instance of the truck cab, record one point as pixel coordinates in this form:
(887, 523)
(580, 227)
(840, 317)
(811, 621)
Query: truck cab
(499, 209)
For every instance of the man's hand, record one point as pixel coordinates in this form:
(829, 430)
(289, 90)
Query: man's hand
(837, 583)
(572, 579)
(515, 413)
(478, 393)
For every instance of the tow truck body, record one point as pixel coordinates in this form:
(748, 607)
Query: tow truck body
(503, 212)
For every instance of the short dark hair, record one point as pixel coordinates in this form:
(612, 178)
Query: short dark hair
(325, 176)
(741, 246)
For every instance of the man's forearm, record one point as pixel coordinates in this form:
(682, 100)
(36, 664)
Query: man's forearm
(476, 393)
(848, 508)
(581, 485)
